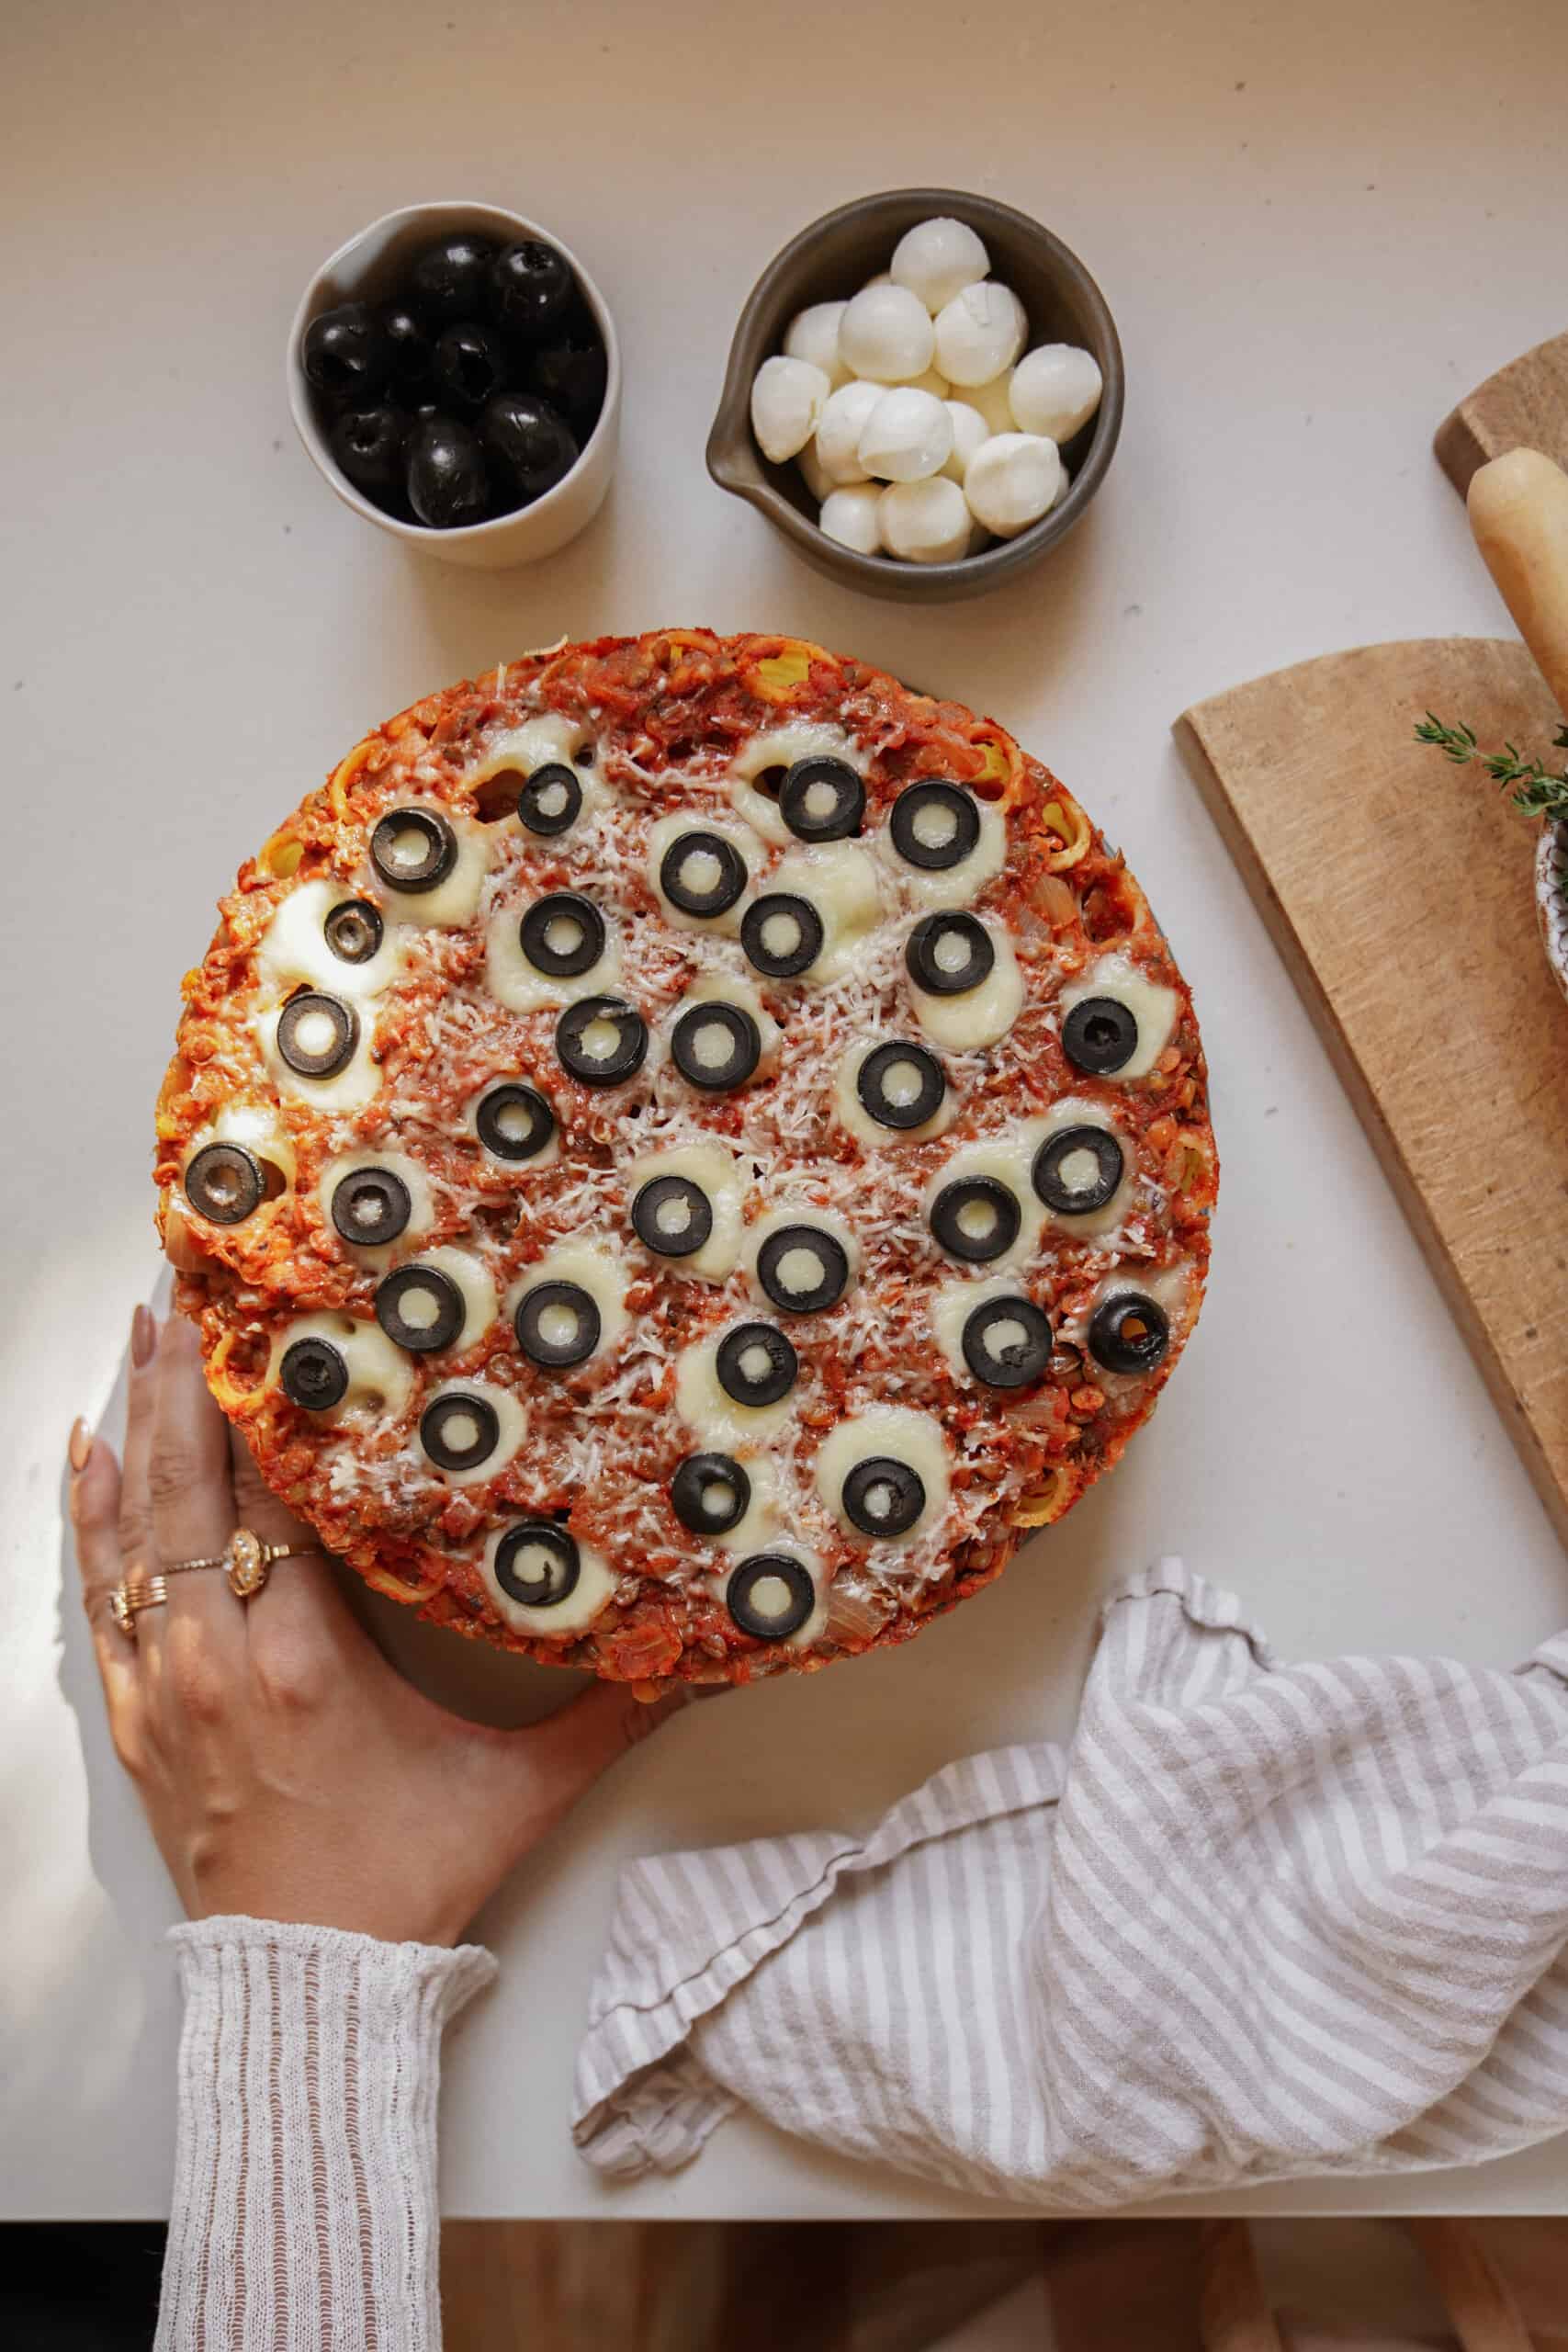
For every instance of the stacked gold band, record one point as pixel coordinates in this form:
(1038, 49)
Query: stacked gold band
(245, 1560)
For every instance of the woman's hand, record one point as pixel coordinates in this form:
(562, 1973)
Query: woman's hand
(287, 1770)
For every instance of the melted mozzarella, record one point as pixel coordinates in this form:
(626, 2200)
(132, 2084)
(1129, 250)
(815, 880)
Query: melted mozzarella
(349, 1089)
(1007, 1157)
(668, 830)
(474, 1284)
(805, 1212)
(977, 1016)
(421, 1207)
(803, 1636)
(953, 886)
(712, 1167)
(853, 1114)
(520, 985)
(841, 881)
(1154, 1009)
(595, 1583)
(600, 1272)
(779, 748)
(724, 1425)
(753, 1531)
(950, 1309)
(1077, 1110)
(548, 740)
(294, 947)
(721, 988)
(514, 1423)
(454, 901)
(257, 1127)
(547, 1152)
(912, 1438)
(380, 1378)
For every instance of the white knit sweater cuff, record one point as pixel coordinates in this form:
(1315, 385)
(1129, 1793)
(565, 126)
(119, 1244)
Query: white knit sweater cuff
(304, 2211)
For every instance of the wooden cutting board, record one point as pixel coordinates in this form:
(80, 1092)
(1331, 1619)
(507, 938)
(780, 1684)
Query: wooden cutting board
(1397, 887)
(1523, 406)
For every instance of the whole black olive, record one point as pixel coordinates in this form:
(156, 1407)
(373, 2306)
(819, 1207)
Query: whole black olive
(447, 279)
(467, 364)
(570, 373)
(368, 445)
(532, 445)
(408, 343)
(447, 486)
(346, 355)
(531, 287)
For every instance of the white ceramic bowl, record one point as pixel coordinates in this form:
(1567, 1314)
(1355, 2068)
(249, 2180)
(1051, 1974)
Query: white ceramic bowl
(365, 269)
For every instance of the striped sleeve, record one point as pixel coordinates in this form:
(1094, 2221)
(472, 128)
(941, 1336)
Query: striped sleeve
(1260, 1920)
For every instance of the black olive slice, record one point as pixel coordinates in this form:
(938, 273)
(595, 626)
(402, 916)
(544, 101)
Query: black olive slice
(803, 1269)
(1129, 1333)
(1063, 1177)
(420, 1308)
(562, 934)
(822, 799)
(782, 935)
(372, 1205)
(538, 1564)
(671, 1215)
(711, 1493)
(458, 1430)
(977, 1218)
(557, 1324)
(314, 1374)
(413, 849)
(771, 1596)
(514, 1121)
(949, 954)
(1100, 1034)
(601, 1040)
(934, 825)
(883, 1496)
(550, 800)
(354, 931)
(224, 1182)
(715, 1046)
(756, 1365)
(901, 1085)
(702, 873)
(1007, 1343)
(317, 1033)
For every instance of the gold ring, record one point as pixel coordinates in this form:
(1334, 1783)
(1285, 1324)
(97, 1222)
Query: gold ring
(245, 1560)
(128, 1599)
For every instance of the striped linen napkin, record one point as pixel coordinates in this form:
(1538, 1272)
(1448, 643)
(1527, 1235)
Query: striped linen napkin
(1256, 1921)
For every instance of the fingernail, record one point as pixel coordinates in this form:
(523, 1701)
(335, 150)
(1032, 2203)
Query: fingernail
(81, 1443)
(143, 1337)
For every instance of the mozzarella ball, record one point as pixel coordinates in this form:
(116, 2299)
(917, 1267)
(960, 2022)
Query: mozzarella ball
(1055, 390)
(813, 335)
(907, 435)
(1012, 479)
(838, 436)
(937, 259)
(969, 430)
(887, 334)
(991, 401)
(925, 522)
(815, 474)
(932, 382)
(979, 333)
(787, 401)
(850, 516)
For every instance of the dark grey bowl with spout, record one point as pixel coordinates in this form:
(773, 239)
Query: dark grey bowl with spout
(831, 260)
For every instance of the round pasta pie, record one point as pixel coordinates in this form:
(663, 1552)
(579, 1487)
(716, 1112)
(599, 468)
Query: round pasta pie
(681, 1151)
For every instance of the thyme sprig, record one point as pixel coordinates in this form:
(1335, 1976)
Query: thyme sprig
(1539, 791)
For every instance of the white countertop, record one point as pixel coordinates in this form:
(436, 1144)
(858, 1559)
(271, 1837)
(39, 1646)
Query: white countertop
(1316, 229)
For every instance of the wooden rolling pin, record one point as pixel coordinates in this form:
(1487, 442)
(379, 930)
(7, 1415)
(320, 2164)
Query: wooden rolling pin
(1518, 511)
